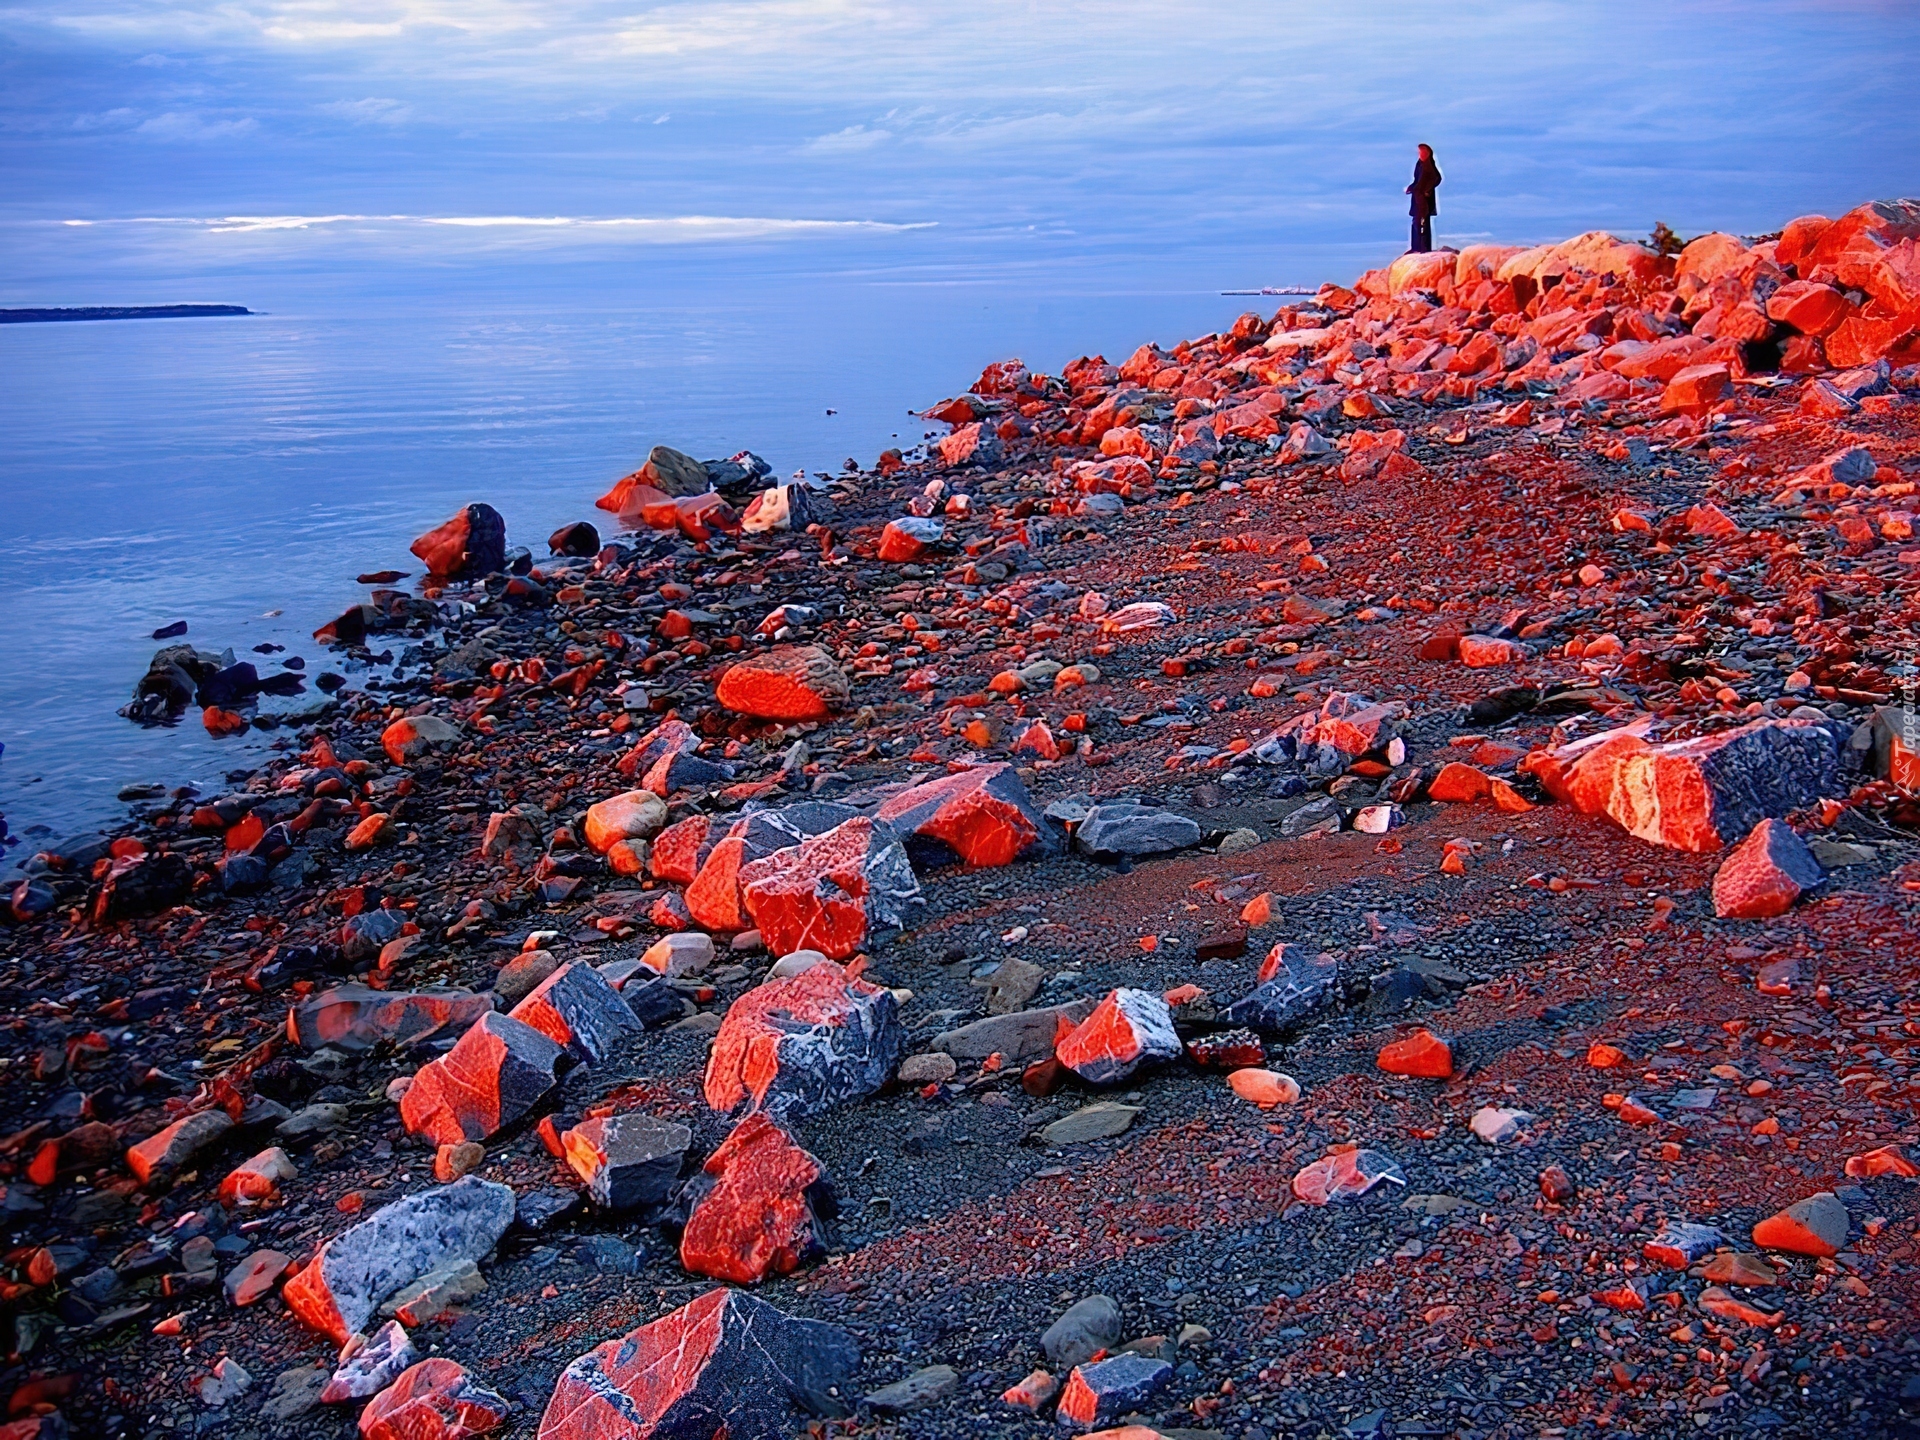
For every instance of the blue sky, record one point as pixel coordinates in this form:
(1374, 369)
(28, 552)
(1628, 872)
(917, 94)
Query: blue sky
(922, 139)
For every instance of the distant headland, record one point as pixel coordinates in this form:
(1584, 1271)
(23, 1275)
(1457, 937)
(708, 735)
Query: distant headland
(116, 312)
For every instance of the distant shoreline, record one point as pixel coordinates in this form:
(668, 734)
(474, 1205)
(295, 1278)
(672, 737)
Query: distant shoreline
(48, 315)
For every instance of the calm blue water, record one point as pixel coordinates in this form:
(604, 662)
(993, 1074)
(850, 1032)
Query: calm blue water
(237, 474)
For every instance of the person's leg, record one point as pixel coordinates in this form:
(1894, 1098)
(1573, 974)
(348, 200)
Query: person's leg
(1419, 242)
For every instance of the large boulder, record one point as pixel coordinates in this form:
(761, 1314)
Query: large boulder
(1290, 986)
(713, 896)
(805, 1044)
(830, 892)
(340, 1291)
(497, 1072)
(726, 1364)
(1697, 794)
(356, 1017)
(577, 1008)
(472, 543)
(758, 1207)
(979, 816)
(788, 682)
(1128, 1029)
(1764, 874)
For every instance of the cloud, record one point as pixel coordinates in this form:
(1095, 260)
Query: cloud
(853, 138)
(118, 118)
(188, 126)
(370, 111)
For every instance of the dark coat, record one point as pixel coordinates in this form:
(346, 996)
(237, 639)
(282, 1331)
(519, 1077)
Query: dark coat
(1426, 180)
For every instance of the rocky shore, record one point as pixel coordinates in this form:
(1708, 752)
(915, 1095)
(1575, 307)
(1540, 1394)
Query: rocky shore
(1352, 877)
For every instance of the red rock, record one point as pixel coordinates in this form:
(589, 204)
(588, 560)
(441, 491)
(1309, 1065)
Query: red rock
(1440, 647)
(1479, 652)
(576, 1007)
(412, 736)
(974, 444)
(1697, 794)
(1662, 359)
(1811, 308)
(805, 1044)
(161, 1155)
(670, 737)
(1722, 1305)
(253, 1278)
(793, 682)
(1764, 874)
(437, 1399)
(498, 1071)
(829, 892)
(471, 544)
(1126, 1030)
(1817, 1226)
(1344, 1175)
(757, 1208)
(981, 816)
(1459, 784)
(724, 1365)
(634, 815)
(257, 1181)
(1697, 388)
(1265, 1088)
(908, 538)
(628, 1161)
(1625, 1297)
(1033, 1392)
(1711, 521)
(1103, 1390)
(681, 849)
(1037, 740)
(1422, 1053)
(1604, 1057)
(1887, 1160)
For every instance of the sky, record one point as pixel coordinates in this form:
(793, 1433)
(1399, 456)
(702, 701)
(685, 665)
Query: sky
(160, 149)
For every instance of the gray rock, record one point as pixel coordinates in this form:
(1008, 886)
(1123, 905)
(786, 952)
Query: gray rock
(355, 1017)
(1101, 1121)
(628, 1161)
(1122, 827)
(1012, 985)
(435, 1293)
(577, 1007)
(1087, 1327)
(1316, 817)
(371, 1368)
(306, 1125)
(916, 1392)
(1296, 985)
(294, 1393)
(1022, 1036)
(519, 977)
(1122, 1384)
(364, 1264)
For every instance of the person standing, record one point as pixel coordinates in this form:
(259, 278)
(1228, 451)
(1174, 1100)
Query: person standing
(1426, 180)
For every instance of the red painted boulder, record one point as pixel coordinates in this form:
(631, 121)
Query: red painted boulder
(978, 816)
(713, 898)
(1697, 794)
(831, 891)
(472, 543)
(1423, 1054)
(1764, 874)
(1817, 1225)
(1697, 388)
(1481, 652)
(803, 1045)
(725, 1365)
(757, 1208)
(789, 682)
(629, 1161)
(1809, 307)
(435, 1400)
(497, 1072)
(1460, 784)
(1128, 1029)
